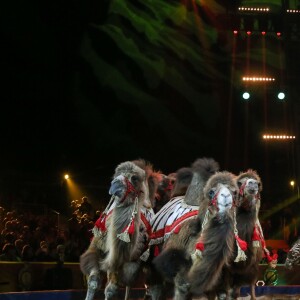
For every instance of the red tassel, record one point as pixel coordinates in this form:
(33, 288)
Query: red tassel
(100, 223)
(156, 251)
(131, 227)
(242, 244)
(200, 246)
(255, 236)
(272, 257)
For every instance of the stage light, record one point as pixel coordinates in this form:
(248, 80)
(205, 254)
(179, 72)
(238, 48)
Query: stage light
(278, 34)
(258, 79)
(292, 183)
(279, 137)
(293, 11)
(66, 176)
(248, 32)
(246, 95)
(235, 32)
(254, 9)
(281, 95)
(263, 33)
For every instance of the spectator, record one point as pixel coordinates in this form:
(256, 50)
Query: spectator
(43, 253)
(86, 207)
(9, 253)
(27, 253)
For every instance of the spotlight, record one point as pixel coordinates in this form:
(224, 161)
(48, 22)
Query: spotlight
(246, 95)
(281, 96)
(66, 176)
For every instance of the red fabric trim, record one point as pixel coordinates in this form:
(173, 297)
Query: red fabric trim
(169, 228)
(147, 224)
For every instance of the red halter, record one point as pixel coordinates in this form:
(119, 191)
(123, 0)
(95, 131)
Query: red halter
(129, 189)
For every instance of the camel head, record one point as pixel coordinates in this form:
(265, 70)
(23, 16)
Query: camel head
(202, 169)
(220, 194)
(129, 183)
(163, 192)
(250, 186)
(183, 178)
(293, 256)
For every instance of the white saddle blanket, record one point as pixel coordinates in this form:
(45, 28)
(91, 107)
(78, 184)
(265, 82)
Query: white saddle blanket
(169, 218)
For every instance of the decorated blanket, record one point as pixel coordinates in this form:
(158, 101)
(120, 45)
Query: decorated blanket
(169, 219)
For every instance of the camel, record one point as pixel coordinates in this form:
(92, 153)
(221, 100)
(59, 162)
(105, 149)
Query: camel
(293, 256)
(193, 258)
(249, 229)
(163, 192)
(121, 233)
(182, 207)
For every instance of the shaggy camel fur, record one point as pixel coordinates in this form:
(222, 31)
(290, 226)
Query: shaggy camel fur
(121, 233)
(177, 211)
(249, 229)
(193, 259)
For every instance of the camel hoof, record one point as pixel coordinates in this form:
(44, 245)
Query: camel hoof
(110, 291)
(222, 296)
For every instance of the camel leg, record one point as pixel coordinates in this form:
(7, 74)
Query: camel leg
(127, 292)
(111, 288)
(93, 283)
(155, 292)
(182, 287)
(252, 291)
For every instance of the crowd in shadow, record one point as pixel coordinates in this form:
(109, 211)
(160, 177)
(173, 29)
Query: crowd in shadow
(26, 236)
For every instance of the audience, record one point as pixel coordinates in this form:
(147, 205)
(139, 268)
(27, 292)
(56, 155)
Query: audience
(33, 237)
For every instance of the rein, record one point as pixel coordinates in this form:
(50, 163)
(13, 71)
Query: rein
(130, 189)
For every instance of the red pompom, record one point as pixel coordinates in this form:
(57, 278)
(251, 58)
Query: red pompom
(272, 257)
(242, 244)
(200, 246)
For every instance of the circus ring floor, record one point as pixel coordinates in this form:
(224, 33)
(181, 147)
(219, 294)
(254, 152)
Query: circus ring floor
(11, 286)
(262, 292)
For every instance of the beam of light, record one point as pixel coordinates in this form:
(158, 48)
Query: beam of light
(66, 176)
(200, 25)
(73, 190)
(229, 111)
(280, 206)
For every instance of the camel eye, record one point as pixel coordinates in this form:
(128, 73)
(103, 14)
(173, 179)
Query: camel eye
(211, 194)
(135, 179)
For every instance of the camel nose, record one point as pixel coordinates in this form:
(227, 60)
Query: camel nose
(117, 186)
